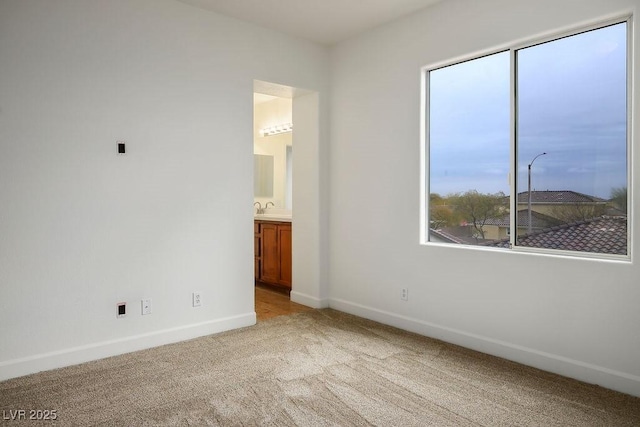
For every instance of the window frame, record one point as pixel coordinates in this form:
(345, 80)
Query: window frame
(512, 48)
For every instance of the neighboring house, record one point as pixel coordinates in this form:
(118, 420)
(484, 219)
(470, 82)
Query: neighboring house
(498, 227)
(548, 209)
(614, 211)
(565, 205)
(607, 235)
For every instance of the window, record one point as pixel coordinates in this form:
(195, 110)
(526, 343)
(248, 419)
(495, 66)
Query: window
(527, 148)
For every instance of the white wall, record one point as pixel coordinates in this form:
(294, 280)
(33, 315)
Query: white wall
(310, 264)
(574, 316)
(82, 228)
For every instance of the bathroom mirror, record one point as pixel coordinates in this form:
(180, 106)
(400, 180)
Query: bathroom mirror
(262, 175)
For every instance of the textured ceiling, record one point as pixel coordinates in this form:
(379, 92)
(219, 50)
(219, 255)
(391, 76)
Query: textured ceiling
(323, 21)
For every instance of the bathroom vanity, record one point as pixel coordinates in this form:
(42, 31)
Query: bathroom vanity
(272, 250)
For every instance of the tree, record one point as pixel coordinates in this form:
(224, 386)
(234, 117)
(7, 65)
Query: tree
(436, 199)
(441, 216)
(476, 208)
(441, 211)
(569, 213)
(619, 198)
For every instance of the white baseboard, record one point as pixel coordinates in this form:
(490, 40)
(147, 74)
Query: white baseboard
(308, 300)
(593, 374)
(73, 356)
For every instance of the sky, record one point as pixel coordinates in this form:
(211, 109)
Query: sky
(571, 104)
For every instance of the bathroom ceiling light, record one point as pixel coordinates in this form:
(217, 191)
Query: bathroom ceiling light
(274, 130)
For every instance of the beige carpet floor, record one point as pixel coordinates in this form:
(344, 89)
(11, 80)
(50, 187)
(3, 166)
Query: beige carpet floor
(320, 368)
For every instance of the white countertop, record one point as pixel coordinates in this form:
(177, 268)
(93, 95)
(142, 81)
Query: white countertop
(273, 217)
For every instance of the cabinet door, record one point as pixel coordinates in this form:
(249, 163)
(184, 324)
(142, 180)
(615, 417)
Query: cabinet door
(270, 254)
(284, 237)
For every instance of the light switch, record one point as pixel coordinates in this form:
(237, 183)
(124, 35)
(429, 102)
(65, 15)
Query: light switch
(146, 306)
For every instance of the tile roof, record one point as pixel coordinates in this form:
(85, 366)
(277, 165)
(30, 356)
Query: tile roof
(538, 220)
(603, 235)
(460, 234)
(549, 196)
(447, 237)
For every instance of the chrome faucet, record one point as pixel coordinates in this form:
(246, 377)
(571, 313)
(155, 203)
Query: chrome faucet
(260, 209)
(267, 205)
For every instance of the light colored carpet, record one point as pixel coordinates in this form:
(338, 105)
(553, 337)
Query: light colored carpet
(319, 368)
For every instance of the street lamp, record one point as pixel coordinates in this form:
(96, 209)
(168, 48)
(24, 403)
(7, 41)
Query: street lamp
(529, 202)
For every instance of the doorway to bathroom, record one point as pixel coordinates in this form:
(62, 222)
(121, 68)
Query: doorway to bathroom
(273, 201)
(287, 243)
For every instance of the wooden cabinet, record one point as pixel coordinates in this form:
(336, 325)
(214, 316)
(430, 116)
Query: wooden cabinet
(272, 246)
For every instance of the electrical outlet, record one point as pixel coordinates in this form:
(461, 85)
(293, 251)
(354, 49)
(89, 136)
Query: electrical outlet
(121, 309)
(404, 296)
(197, 300)
(146, 306)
